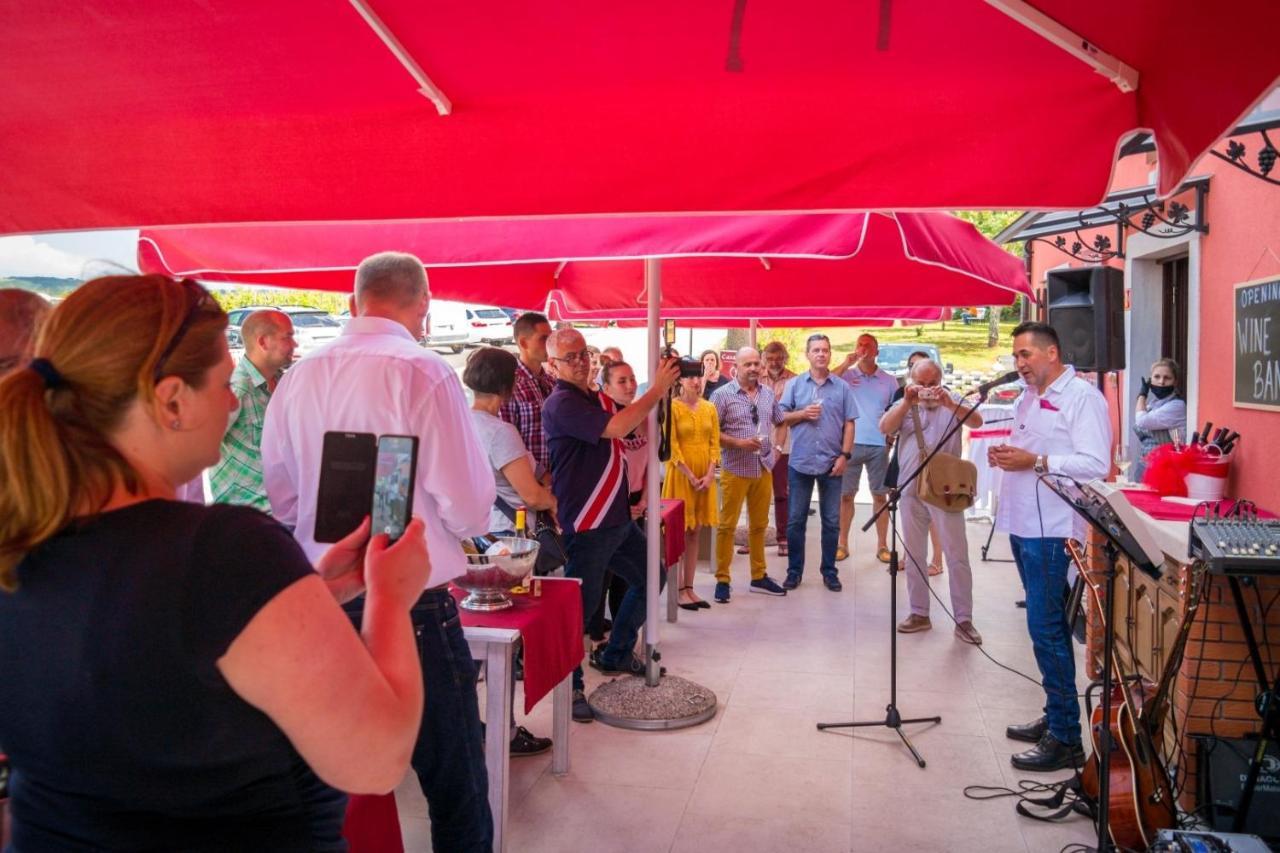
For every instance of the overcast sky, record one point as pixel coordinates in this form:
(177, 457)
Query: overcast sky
(65, 255)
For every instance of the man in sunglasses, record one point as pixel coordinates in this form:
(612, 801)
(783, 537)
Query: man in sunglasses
(21, 313)
(584, 431)
(749, 415)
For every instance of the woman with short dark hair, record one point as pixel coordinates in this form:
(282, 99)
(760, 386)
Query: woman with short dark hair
(712, 380)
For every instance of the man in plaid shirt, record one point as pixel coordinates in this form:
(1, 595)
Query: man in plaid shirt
(749, 415)
(533, 385)
(268, 350)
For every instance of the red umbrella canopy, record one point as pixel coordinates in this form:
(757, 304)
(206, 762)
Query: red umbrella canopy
(800, 265)
(125, 113)
(741, 318)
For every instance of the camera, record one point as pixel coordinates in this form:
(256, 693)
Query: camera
(689, 367)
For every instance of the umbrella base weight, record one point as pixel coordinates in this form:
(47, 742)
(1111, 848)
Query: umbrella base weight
(630, 703)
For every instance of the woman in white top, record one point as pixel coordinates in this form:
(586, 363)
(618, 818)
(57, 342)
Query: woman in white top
(1158, 411)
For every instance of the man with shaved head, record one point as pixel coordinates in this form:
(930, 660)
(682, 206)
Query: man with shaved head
(584, 431)
(268, 349)
(924, 415)
(749, 414)
(21, 313)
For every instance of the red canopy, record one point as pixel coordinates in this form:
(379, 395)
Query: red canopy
(122, 113)
(740, 318)
(795, 265)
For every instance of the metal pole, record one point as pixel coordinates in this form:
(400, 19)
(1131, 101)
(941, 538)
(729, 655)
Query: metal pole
(751, 334)
(653, 484)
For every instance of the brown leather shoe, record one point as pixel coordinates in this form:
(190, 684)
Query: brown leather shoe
(968, 634)
(914, 623)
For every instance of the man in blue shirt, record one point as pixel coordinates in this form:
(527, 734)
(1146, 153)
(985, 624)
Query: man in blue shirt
(874, 390)
(822, 409)
(584, 431)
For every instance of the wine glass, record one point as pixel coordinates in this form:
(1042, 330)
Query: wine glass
(1121, 460)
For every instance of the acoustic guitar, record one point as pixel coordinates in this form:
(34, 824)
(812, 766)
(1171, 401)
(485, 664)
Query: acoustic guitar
(1141, 800)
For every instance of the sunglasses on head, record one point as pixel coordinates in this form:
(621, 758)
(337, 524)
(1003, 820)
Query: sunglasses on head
(198, 300)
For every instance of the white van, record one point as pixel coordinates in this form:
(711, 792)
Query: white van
(447, 325)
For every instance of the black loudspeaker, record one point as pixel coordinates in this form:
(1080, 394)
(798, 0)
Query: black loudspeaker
(1086, 309)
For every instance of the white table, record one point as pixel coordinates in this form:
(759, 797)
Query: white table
(495, 647)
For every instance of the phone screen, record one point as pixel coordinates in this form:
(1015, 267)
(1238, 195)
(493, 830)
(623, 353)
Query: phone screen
(346, 478)
(393, 484)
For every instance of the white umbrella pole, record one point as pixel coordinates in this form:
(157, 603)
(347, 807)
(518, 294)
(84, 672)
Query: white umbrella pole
(751, 334)
(653, 477)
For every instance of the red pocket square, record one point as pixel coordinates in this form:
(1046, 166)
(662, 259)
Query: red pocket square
(1045, 404)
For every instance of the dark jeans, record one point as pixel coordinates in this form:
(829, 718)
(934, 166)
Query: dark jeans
(800, 487)
(613, 591)
(449, 754)
(781, 509)
(1042, 566)
(590, 554)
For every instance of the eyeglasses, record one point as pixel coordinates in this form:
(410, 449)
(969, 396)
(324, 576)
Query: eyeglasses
(579, 357)
(755, 415)
(198, 300)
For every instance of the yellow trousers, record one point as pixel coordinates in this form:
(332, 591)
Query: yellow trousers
(758, 493)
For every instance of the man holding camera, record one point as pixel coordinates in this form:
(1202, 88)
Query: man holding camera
(584, 430)
(821, 410)
(929, 411)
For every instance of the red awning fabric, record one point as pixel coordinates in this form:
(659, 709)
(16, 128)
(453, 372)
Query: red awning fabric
(793, 265)
(128, 113)
(741, 318)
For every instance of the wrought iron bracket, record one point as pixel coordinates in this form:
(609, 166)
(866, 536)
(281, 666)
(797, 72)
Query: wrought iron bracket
(1237, 152)
(1142, 212)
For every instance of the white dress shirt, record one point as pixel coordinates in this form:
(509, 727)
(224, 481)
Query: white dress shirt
(1069, 425)
(375, 378)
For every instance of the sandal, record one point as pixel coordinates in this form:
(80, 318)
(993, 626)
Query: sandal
(882, 554)
(696, 605)
(935, 569)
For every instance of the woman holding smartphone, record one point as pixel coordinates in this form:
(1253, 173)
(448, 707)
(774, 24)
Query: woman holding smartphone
(178, 676)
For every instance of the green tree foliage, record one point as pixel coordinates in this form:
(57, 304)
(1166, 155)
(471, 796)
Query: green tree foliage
(991, 223)
(244, 297)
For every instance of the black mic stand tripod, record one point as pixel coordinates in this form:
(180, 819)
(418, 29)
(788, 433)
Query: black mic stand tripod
(893, 718)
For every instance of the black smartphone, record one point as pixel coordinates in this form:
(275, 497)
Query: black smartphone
(393, 484)
(346, 480)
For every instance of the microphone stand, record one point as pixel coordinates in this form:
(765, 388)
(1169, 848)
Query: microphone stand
(893, 718)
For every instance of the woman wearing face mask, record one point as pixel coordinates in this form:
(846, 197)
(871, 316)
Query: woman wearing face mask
(1159, 410)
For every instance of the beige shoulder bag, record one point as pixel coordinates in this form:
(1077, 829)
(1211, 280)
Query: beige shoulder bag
(947, 482)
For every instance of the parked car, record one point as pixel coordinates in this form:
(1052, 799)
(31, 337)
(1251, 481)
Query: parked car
(893, 357)
(448, 325)
(489, 325)
(311, 326)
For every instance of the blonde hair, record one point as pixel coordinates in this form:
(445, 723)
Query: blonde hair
(103, 348)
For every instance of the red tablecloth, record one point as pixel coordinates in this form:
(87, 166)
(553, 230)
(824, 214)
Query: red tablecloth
(673, 530)
(372, 824)
(1157, 507)
(551, 627)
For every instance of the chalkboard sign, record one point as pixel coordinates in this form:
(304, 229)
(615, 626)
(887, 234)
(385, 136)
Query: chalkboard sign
(1257, 344)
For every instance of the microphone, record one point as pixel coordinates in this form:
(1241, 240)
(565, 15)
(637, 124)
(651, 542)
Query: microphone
(985, 387)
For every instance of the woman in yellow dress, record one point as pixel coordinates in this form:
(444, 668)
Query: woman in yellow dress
(691, 474)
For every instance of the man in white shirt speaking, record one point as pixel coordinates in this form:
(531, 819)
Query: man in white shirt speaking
(376, 378)
(1061, 426)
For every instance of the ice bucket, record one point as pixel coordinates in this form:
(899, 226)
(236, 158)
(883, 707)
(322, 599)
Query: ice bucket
(490, 579)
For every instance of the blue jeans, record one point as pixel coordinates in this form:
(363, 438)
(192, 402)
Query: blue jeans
(449, 755)
(1042, 566)
(800, 487)
(623, 550)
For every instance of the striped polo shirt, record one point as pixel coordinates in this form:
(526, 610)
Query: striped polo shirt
(588, 471)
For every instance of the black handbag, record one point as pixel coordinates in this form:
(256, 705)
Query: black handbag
(551, 555)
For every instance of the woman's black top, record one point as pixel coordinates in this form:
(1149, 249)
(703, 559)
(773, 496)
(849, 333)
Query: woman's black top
(120, 729)
(710, 387)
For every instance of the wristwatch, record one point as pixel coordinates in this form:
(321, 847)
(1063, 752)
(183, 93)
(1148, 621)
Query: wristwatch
(1042, 465)
(846, 454)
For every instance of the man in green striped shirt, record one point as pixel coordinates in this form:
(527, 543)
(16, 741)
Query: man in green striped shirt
(268, 350)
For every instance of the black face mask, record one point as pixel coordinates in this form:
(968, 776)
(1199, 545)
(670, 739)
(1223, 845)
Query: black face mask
(1162, 391)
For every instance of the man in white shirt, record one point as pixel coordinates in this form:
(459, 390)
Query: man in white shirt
(1061, 426)
(376, 378)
